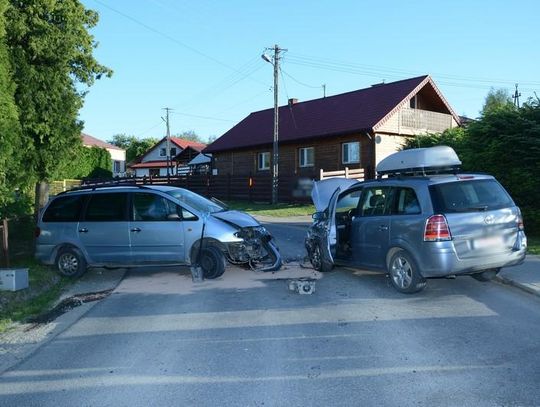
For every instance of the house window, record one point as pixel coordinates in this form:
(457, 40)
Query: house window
(306, 157)
(162, 152)
(117, 166)
(351, 152)
(173, 151)
(263, 161)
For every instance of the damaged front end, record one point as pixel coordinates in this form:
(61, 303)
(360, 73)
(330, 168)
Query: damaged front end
(315, 238)
(256, 249)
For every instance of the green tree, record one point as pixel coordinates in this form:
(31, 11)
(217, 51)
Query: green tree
(90, 162)
(190, 135)
(51, 54)
(497, 99)
(10, 168)
(134, 147)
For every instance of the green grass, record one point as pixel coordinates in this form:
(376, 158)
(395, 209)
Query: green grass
(45, 287)
(533, 245)
(279, 210)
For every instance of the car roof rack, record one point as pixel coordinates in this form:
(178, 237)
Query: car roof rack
(105, 185)
(420, 162)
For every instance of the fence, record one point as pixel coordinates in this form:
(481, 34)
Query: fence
(356, 173)
(56, 187)
(257, 188)
(16, 236)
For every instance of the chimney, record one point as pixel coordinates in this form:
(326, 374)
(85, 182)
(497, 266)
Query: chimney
(293, 101)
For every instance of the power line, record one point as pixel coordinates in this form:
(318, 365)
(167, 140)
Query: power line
(377, 69)
(170, 38)
(298, 82)
(204, 117)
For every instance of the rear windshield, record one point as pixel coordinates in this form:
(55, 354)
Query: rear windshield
(469, 196)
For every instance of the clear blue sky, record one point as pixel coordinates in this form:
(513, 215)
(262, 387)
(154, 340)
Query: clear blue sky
(202, 57)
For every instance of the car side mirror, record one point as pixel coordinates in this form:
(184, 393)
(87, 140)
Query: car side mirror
(174, 216)
(319, 216)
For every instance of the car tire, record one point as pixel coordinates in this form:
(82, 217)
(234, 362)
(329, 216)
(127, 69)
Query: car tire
(70, 262)
(212, 262)
(404, 274)
(486, 275)
(317, 261)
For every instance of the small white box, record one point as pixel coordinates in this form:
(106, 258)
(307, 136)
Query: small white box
(13, 279)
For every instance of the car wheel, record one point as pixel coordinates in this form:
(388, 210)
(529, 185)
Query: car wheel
(212, 262)
(486, 275)
(70, 262)
(404, 273)
(317, 260)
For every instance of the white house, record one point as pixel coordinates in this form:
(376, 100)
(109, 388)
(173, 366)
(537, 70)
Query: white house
(118, 155)
(154, 161)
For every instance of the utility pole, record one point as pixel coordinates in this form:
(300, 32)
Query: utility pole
(516, 96)
(275, 146)
(168, 148)
(324, 89)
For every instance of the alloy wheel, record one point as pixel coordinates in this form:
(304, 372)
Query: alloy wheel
(401, 272)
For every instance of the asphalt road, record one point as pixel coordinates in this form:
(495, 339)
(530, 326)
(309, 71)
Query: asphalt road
(160, 340)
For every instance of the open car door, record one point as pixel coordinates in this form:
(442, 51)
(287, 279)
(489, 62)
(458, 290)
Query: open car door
(322, 237)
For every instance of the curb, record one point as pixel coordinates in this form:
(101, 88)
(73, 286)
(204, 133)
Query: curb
(522, 286)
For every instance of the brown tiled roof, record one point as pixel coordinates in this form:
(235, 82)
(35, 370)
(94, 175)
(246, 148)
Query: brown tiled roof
(92, 141)
(356, 111)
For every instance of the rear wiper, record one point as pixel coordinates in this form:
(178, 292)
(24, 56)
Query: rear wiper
(479, 208)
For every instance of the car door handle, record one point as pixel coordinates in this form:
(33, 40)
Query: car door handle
(83, 230)
(135, 229)
(383, 228)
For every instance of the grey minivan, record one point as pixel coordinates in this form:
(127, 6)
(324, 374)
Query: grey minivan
(127, 226)
(424, 220)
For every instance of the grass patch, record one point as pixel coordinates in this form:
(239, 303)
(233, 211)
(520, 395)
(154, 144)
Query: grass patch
(533, 245)
(279, 210)
(44, 288)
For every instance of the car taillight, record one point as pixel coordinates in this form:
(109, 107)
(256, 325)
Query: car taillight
(37, 232)
(437, 229)
(520, 224)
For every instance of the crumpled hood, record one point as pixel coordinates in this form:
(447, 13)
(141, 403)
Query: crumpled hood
(323, 190)
(237, 218)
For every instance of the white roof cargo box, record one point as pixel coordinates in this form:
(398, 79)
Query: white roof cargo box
(420, 160)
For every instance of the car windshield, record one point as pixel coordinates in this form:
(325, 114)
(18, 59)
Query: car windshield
(196, 201)
(469, 196)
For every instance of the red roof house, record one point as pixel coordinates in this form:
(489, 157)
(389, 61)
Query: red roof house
(155, 161)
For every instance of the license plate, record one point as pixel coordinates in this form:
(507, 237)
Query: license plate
(488, 242)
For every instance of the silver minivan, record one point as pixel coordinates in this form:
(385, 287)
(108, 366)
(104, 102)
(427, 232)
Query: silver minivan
(127, 226)
(423, 220)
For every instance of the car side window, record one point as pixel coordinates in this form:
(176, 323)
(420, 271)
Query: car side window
(348, 201)
(64, 209)
(106, 208)
(374, 202)
(406, 202)
(150, 208)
